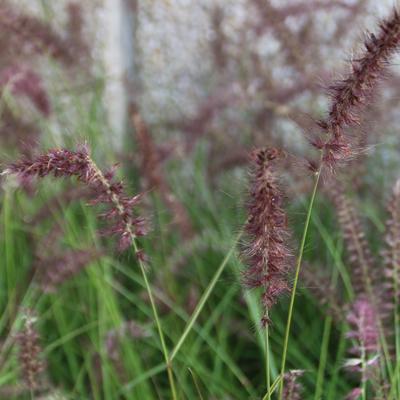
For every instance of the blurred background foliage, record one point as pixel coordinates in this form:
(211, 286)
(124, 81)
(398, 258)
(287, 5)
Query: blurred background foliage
(177, 93)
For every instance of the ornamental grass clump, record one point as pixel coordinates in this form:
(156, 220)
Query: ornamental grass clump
(119, 213)
(360, 296)
(267, 250)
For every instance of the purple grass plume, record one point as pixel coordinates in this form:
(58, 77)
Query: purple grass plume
(351, 94)
(56, 270)
(355, 394)
(30, 351)
(292, 389)
(391, 254)
(32, 35)
(24, 81)
(266, 253)
(363, 271)
(364, 332)
(105, 190)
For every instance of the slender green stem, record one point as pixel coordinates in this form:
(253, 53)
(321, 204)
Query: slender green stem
(158, 324)
(395, 381)
(117, 203)
(331, 390)
(363, 368)
(324, 346)
(396, 277)
(296, 278)
(141, 378)
(196, 383)
(272, 388)
(322, 362)
(203, 300)
(267, 367)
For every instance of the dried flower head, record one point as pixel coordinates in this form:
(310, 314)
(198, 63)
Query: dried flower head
(30, 352)
(65, 163)
(267, 252)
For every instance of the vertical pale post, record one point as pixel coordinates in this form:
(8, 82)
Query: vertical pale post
(119, 21)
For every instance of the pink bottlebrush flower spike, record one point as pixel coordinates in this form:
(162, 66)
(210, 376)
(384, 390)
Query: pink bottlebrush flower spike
(364, 331)
(267, 253)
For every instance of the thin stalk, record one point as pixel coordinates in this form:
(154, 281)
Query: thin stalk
(203, 301)
(296, 278)
(395, 381)
(324, 347)
(267, 361)
(363, 368)
(322, 363)
(196, 383)
(115, 200)
(331, 392)
(158, 324)
(272, 389)
(396, 277)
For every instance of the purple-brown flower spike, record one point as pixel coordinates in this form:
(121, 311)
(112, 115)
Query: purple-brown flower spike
(363, 320)
(391, 254)
(29, 353)
(267, 253)
(65, 163)
(352, 93)
(363, 273)
(24, 81)
(364, 331)
(292, 389)
(355, 394)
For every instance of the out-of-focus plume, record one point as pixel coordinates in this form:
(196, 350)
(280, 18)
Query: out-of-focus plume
(153, 173)
(30, 351)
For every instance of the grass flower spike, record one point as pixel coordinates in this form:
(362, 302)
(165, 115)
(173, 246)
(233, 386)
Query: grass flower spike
(29, 353)
(353, 93)
(267, 252)
(66, 163)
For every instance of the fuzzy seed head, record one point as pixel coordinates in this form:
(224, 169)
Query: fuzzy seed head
(29, 353)
(105, 190)
(267, 253)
